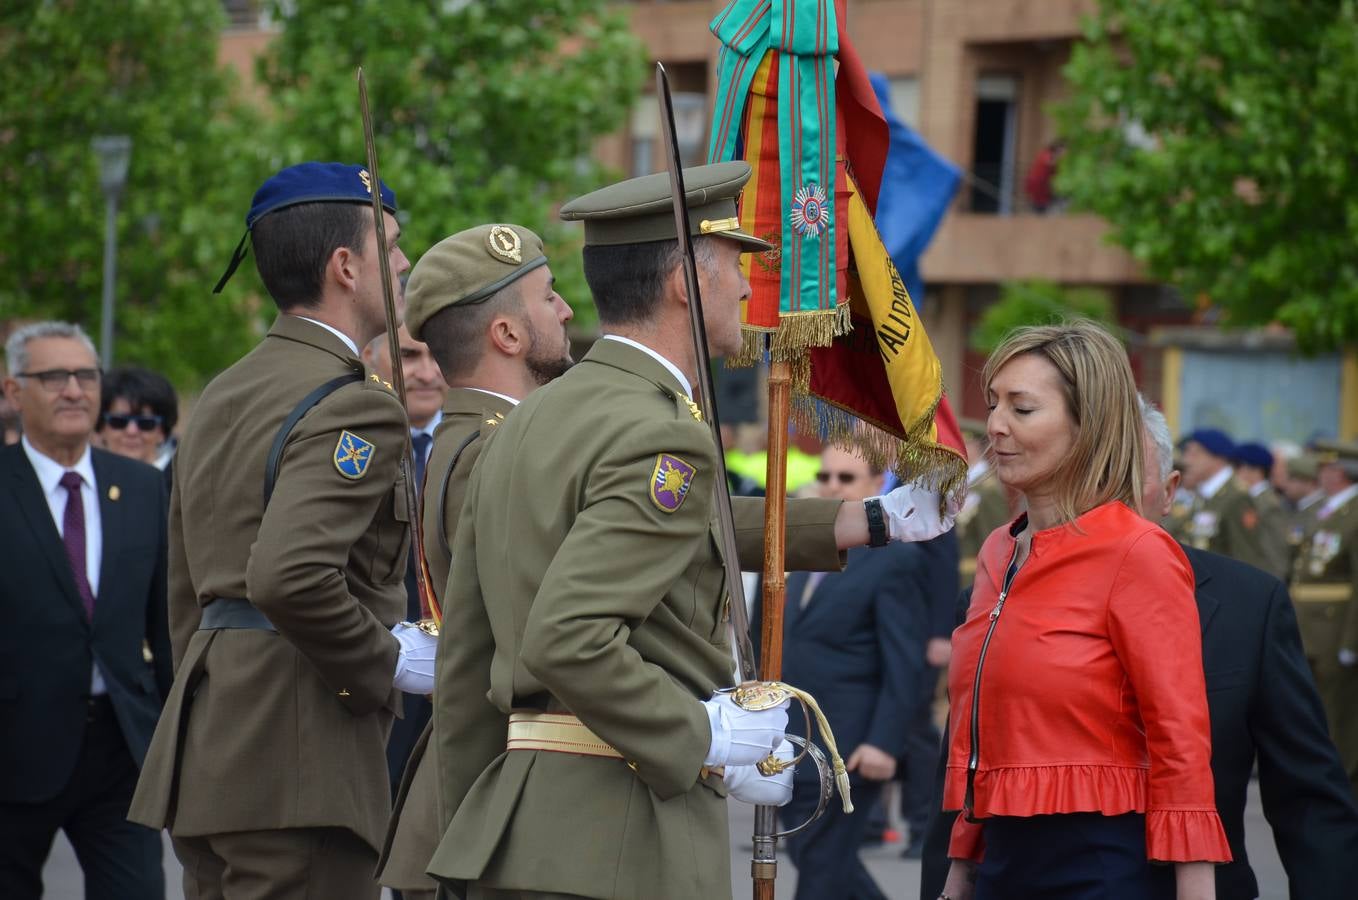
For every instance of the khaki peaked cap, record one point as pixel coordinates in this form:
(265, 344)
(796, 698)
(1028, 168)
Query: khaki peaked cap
(1329, 450)
(641, 210)
(468, 268)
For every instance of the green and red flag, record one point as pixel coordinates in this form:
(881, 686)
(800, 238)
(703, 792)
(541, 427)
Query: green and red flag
(794, 100)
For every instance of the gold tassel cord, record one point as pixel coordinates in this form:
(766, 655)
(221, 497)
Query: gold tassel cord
(767, 694)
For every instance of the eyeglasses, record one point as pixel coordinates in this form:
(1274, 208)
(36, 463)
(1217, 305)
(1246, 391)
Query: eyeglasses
(56, 379)
(119, 421)
(841, 477)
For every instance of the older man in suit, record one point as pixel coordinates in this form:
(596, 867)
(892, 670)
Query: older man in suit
(84, 651)
(855, 640)
(1264, 707)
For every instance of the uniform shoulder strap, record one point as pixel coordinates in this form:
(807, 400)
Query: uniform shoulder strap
(443, 488)
(301, 409)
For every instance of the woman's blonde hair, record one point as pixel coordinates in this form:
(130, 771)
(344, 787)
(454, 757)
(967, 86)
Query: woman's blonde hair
(1105, 461)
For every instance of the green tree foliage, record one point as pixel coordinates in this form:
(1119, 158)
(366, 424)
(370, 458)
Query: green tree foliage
(1218, 139)
(1038, 303)
(484, 110)
(148, 70)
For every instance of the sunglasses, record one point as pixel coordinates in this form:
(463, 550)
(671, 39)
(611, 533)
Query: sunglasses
(119, 421)
(56, 379)
(841, 477)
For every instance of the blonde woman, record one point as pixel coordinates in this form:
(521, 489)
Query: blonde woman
(1080, 749)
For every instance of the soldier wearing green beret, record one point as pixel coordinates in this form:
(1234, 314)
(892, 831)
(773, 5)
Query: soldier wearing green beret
(484, 302)
(1325, 590)
(581, 749)
(288, 541)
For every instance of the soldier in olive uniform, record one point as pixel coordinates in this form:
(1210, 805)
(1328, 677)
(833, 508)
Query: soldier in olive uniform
(987, 505)
(1253, 463)
(1327, 603)
(585, 620)
(484, 302)
(288, 541)
(1224, 519)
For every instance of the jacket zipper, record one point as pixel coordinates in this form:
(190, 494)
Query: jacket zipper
(974, 758)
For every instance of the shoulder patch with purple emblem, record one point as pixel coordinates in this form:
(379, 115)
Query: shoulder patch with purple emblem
(670, 481)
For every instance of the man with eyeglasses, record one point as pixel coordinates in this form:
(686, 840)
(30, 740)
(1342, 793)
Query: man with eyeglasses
(84, 645)
(289, 531)
(855, 640)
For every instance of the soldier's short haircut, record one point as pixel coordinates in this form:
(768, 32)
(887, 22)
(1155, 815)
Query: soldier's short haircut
(16, 346)
(456, 334)
(293, 246)
(627, 279)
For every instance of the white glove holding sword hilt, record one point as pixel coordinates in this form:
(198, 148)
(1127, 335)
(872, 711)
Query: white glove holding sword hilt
(415, 660)
(748, 785)
(742, 737)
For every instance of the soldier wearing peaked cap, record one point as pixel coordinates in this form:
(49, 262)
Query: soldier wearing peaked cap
(586, 755)
(1325, 589)
(987, 505)
(288, 542)
(484, 302)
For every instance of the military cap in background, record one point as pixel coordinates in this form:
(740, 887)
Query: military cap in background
(309, 182)
(1213, 441)
(1329, 450)
(1303, 466)
(1256, 455)
(468, 268)
(640, 210)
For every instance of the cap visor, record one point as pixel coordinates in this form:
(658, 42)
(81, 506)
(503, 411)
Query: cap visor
(748, 242)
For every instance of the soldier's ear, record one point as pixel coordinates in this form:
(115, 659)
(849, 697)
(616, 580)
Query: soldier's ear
(676, 286)
(507, 335)
(343, 268)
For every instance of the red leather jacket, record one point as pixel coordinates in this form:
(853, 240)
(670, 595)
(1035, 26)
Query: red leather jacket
(1080, 687)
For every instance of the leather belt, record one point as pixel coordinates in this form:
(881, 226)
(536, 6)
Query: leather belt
(233, 612)
(555, 733)
(1322, 593)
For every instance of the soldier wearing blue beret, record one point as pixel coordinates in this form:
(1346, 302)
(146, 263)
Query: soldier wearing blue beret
(288, 542)
(1224, 517)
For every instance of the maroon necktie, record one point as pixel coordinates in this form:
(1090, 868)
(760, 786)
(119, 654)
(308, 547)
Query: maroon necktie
(73, 536)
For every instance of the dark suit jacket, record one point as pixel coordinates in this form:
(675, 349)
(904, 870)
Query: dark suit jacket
(47, 644)
(858, 646)
(1263, 705)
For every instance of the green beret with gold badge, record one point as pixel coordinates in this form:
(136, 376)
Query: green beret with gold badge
(640, 210)
(468, 268)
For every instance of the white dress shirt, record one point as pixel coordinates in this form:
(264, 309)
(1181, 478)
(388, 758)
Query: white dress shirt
(505, 397)
(673, 369)
(49, 473)
(1208, 489)
(348, 341)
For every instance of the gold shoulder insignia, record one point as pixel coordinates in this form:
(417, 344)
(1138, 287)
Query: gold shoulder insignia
(693, 408)
(387, 385)
(375, 378)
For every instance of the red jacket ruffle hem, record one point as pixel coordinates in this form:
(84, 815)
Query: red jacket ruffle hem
(1091, 696)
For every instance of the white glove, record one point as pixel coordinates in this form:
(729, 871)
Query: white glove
(415, 662)
(741, 737)
(1347, 658)
(747, 785)
(913, 514)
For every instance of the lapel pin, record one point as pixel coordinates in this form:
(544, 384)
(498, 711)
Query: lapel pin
(114, 492)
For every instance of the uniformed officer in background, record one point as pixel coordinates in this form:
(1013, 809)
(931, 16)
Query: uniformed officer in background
(485, 304)
(987, 505)
(1253, 463)
(288, 541)
(586, 622)
(1323, 588)
(1223, 517)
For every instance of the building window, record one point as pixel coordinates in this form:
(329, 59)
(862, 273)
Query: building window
(993, 179)
(904, 91)
(690, 128)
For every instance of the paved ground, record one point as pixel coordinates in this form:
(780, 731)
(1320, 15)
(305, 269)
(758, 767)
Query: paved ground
(899, 878)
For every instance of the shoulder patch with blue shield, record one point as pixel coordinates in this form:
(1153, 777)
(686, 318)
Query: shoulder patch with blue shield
(352, 455)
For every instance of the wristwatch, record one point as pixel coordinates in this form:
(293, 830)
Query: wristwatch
(877, 530)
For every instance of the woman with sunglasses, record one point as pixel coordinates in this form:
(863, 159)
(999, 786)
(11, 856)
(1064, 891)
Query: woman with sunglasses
(138, 411)
(1080, 742)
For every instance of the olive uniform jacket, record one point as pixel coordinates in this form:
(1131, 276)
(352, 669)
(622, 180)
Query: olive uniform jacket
(1228, 523)
(413, 833)
(1323, 582)
(977, 519)
(1273, 526)
(283, 729)
(590, 580)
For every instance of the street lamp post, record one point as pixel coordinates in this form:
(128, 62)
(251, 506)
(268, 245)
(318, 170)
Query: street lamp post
(113, 153)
